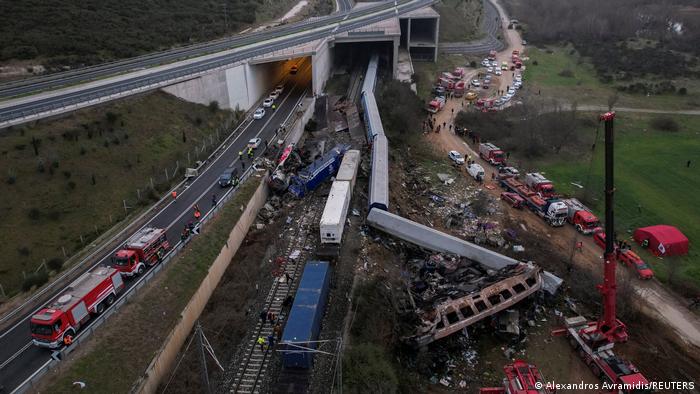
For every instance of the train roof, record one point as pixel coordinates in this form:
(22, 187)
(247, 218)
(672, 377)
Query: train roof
(300, 325)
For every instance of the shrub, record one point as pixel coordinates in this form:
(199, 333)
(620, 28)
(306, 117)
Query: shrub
(11, 179)
(368, 369)
(683, 91)
(20, 146)
(534, 63)
(472, 64)
(664, 123)
(24, 251)
(566, 73)
(71, 185)
(82, 151)
(34, 214)
(55, 263)
(111, 117)
(36, 279)
(213, 106)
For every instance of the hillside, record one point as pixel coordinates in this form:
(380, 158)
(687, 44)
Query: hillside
(58, 33)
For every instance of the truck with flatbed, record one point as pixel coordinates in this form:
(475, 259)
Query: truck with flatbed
(553, 211)
(144, 249)
(89, 295)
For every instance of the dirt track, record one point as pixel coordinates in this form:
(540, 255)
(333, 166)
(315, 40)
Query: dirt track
(656, 301)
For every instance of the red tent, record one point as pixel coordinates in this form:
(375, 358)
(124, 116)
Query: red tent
(663, 240)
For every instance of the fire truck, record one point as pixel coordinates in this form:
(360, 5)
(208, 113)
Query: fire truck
(492, 154)
(88, 296)
(581, 217)
(147, 247)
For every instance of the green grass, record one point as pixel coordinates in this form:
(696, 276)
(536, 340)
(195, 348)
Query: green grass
(44, 212)
(585, 87)
(650, 170)
(150, 317)
(459, 20)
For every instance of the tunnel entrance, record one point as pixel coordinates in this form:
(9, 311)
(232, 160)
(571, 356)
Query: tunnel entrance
(354, 55)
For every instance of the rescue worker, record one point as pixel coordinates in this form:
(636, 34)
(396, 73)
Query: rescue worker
(270, 341)
(261, 342)
(213, 200)
(185, 234)
(174, 194)
(197, 212)
(250, 153)
(274, 107)
(240, 155)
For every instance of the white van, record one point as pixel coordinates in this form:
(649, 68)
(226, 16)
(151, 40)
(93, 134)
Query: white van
(476, 171)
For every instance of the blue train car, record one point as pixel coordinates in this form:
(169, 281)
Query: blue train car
(379, 177)
(370, 80)
(310, 177)
(304, 322)
(373, 122)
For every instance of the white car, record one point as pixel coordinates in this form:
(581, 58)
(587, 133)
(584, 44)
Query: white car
(254, 143)
(476, 83)
(268, 102)
(498, 72)
(456, 157)
(485, 63)
(494, 63)
(279, 89)
(259, 113)
(509, 95)
(519, 78)
(489, 70)
(518, 85)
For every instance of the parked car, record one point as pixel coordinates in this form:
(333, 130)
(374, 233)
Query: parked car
(524, 42)
(268, 102)
(456, 157)
(519, 78)
(504, 66)
(498, 72)
(259, 113)
(254, 143)
(513, 199)
(627, 257)
(489, 70)
(485, 85)
(229, 178)
(475, 83)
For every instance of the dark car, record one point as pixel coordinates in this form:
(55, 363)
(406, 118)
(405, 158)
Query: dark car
(229, 178)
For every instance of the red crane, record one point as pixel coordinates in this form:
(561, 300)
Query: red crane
(594, 340)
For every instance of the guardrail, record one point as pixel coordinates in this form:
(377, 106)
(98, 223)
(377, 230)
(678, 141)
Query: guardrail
(57, 356)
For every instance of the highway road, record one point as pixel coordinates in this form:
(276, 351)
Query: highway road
(19, 359)
(54, 81)
(17, 110)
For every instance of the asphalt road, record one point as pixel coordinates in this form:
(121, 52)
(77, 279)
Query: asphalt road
(53, 81)
(15, 343)
(338, 23)
(490, 26)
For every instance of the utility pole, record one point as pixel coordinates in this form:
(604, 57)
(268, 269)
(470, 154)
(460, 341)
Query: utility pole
(225, 16)
(203, 359)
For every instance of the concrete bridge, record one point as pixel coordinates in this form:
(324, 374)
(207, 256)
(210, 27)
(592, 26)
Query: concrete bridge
(241, 71)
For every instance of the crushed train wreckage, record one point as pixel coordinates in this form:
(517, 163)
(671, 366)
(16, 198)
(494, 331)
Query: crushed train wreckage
(452, 293)
(463, 283)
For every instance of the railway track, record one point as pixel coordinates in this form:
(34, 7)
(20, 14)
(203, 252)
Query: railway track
(353, 93)
(253, 365)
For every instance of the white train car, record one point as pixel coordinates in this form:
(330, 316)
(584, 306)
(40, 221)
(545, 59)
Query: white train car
(348, 168)
(335, 212)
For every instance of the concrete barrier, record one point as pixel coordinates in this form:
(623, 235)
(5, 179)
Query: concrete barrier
(162, 364)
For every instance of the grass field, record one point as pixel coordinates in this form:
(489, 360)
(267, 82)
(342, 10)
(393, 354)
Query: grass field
(459, 20)
(583, 86)
(85, 165)
(653, 185)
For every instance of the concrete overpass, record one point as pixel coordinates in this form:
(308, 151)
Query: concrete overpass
(235, 72)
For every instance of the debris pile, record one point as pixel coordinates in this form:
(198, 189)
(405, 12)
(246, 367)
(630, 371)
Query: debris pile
(450, 293)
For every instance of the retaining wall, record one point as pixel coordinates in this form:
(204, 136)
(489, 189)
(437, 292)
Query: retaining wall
(162, 364)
